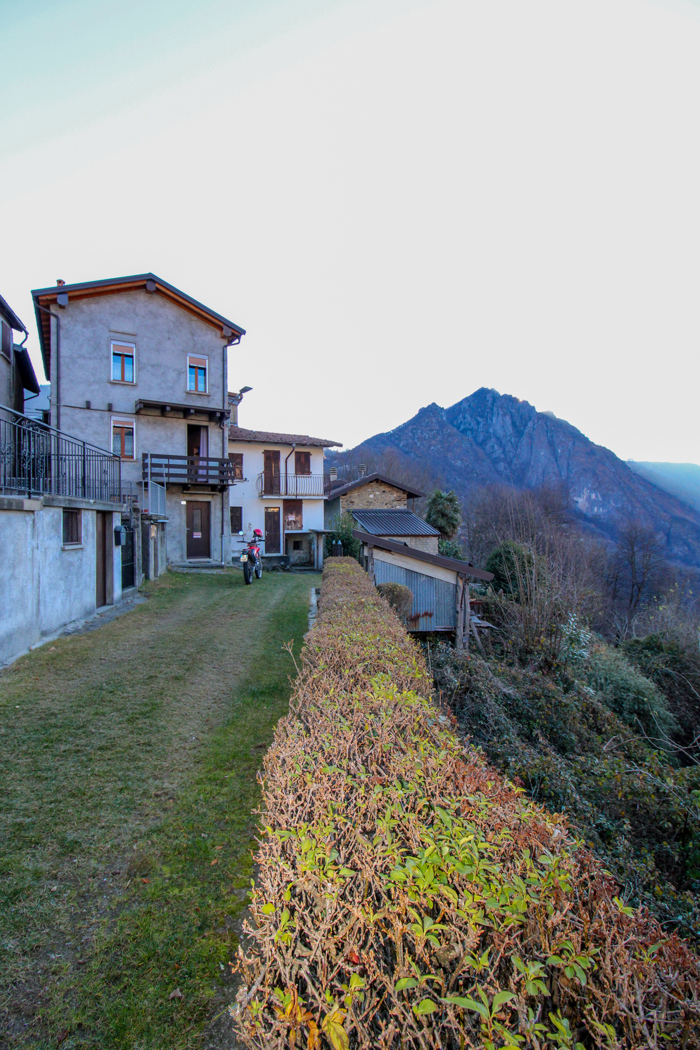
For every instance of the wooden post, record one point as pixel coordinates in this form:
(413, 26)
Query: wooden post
(467, 614)
(459, 613)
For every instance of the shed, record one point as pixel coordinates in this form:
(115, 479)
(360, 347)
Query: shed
(401, 525)
(440, 586)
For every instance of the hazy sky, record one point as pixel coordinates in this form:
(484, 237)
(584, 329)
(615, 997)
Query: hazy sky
(400, 200)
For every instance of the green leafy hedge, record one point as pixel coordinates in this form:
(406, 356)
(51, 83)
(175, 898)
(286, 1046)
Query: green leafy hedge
(408, 896)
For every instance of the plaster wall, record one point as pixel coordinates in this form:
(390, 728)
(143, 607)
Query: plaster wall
(44, 584)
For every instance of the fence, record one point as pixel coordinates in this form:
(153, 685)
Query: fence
(36, 460)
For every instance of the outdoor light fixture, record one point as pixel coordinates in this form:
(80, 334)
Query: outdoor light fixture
(183, 502)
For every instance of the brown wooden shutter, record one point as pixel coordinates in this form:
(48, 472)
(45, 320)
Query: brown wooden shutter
(302, 462)
(7, 341)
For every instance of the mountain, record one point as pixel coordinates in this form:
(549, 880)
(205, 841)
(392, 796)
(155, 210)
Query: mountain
(680, 479)
(494, 439)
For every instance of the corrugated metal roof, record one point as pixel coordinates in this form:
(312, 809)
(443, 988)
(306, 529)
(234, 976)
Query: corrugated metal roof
(393, 523)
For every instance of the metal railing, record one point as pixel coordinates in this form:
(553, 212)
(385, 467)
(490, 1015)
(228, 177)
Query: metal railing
(186, 470)
(36, 460)
(294, 486)
(154, 499)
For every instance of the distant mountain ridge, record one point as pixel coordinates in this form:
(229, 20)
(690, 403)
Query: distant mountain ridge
(680, 479)
(494, 439)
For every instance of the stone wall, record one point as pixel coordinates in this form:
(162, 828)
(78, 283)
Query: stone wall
(376, 495)
(428, 544)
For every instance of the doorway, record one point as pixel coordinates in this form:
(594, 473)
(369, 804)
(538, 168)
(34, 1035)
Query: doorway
(198, 521)
(197, 450)
(272, 530)
(271, 473)
(101, 559)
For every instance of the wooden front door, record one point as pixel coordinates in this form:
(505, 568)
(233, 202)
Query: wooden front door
(271, 472)
(272, 530)
(101, 536)
(198, 529)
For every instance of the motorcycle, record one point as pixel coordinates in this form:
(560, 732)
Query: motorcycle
(252, 557)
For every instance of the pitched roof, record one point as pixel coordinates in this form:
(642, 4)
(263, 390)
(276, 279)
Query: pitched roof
(342, 488)
(464, 568)
(10, 316)
(393, 523)
(45, 297)
(239, 434)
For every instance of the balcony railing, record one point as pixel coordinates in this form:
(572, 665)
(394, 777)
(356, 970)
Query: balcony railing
(36, 460)
(293, 486)
(187, 470)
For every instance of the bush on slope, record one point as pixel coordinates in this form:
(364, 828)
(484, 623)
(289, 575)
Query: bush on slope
(408, 896)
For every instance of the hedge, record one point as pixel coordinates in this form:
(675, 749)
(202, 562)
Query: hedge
(409, 896)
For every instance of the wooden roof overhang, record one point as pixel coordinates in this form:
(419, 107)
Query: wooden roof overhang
(62, 294)
(167, 408)
(462, 568)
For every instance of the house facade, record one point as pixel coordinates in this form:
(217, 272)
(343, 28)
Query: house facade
(140, 368)
(279, 488)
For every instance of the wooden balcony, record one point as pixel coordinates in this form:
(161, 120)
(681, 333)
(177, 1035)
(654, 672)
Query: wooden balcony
(187, 470)
(293, 486)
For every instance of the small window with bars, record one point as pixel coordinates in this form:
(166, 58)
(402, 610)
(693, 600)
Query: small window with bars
(123, 356)
(197, 368)
(72, 527)
(123, 444)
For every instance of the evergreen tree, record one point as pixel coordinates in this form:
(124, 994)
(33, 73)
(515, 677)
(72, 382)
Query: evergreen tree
(444, 513)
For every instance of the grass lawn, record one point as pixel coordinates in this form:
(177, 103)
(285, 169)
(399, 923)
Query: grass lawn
(128, 761)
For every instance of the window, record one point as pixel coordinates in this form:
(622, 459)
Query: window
(123, 362)
(293, 521)
(236, 520)
(72, 531)
(237, 464)
(302, 462)
(6, 340)
(197, 375)
(123, 444)
(296, 545)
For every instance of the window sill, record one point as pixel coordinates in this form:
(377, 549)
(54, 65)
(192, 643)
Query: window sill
(122, 382)
(72, 546)
(199, 393)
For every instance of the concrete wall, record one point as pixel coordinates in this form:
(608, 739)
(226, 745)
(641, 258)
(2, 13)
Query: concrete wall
(245, 494)
(44, 584)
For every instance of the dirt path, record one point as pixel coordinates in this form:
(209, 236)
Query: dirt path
(116, 748)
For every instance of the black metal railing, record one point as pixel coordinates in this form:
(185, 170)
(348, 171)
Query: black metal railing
(36, 460)
(293, 486)
(186, 470)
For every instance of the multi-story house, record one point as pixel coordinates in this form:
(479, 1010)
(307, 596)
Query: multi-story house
(139, 367)
(280, 488)
(16, 371)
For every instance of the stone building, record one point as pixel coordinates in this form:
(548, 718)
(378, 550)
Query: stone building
(382, 506)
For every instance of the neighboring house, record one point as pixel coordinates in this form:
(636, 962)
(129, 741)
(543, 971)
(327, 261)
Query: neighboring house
(280, 488)
(39, 407)
(439, 585)
(380, 506)
(139, 367)
(16, 370)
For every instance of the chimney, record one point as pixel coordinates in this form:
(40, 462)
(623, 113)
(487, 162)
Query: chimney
(59, 280)
(362, 469)
(333, 474)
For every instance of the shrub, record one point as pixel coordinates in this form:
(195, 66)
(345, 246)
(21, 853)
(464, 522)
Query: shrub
(627, 692)
(399, 597)
(451, 549)
(408, 896)
(509, 563)
(342, 530)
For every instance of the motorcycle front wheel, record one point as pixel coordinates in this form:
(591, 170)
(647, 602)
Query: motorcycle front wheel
(247, 572)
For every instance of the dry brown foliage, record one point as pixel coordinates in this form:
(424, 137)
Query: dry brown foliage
(409, 896)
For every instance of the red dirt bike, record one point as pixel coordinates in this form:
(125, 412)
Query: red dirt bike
(252, 557)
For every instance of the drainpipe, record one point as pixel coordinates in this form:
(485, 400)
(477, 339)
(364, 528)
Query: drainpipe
(58, 362)
(31, 398)
(286, 487)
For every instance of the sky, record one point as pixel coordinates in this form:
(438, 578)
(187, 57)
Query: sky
(401, 201)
